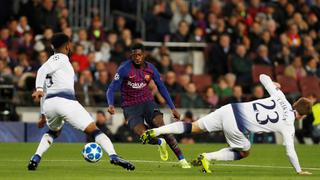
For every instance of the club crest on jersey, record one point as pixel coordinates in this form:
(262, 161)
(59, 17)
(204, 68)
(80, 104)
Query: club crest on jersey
(116, 76)
(147, 77)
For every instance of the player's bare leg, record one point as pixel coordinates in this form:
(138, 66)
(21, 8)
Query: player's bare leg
(107, 146)
(44, 145)
(172, 142)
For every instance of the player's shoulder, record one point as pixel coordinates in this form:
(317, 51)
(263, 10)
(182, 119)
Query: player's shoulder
(59, 57)
(124, 67)
(125, 64)
(150, 65)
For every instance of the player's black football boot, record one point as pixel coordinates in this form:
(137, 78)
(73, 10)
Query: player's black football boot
(33, 164)
(116, 160)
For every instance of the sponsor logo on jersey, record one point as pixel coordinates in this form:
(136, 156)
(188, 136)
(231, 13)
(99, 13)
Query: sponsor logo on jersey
(136, 85)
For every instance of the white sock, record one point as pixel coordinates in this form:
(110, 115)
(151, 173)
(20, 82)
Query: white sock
(173, 128)
(225, 154)
(44, 144)
(105, 143)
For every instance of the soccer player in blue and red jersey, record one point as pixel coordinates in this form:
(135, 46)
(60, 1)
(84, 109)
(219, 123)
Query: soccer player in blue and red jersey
(139, 107)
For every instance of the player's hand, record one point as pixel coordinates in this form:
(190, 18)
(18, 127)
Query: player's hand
(176, 114)
(277, 85)
(37, 95)
(42, 121)
(111, 109)
(304, 173)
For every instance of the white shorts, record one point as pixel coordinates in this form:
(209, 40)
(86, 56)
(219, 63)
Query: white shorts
(223, 120)
(58, 110)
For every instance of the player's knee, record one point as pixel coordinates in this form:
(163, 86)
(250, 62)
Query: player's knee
(195, 127)
(90, 128)
(139, 129)
(244, 154)
(54, 134)
(158, 121)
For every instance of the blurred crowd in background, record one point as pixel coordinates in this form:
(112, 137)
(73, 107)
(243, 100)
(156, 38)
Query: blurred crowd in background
(282, 36)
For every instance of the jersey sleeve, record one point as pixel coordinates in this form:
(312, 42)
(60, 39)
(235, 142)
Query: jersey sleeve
(53, 64)
(162, 89)
(42, 100)
(270, 87)
(288, 139)
(116, 84)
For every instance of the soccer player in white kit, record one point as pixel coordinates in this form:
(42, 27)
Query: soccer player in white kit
(56, 76)
(272, 114)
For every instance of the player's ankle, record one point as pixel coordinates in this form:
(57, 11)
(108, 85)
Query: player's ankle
(113, 156)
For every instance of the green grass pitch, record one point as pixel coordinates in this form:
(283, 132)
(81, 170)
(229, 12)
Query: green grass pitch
(64, 161)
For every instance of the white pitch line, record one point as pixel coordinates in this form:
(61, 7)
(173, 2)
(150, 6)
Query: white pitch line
(172, 162)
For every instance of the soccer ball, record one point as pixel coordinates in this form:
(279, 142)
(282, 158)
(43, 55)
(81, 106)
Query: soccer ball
(92, 152)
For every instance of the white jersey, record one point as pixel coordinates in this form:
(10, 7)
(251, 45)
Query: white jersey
(56, 78)
(272, 114)
(57, 75)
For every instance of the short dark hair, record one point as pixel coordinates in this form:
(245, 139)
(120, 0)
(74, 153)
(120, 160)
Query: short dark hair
(136, 46)
(303, 106)
(59, 39)
(101, 112)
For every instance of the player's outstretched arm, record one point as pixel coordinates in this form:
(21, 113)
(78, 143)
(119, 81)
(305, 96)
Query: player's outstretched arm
(115, 86)
(164, 92)
(273, 88)
(291, 153)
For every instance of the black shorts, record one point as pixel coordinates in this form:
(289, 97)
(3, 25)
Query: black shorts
(141, 113)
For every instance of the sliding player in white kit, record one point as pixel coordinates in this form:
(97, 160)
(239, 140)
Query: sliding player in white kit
(59, 105)
(272, 114)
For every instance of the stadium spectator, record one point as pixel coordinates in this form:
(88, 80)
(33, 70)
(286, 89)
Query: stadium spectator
(312, 67)
(295, 69)
(165, 64)
(43, 42)
(80, 57)
(120, 25)
(222, 89)
(173, 87)
(84, 87)
(191, 99)
(26, 43)
(157, 22)
(197, 36)
(241, 66)
(180, 13)
(219, 56)
(96, 32)
(257, 92)
(4, 56)
(47, 16)
(125, 134)
(83, 40)
(263, 56)
(184, 80)
(237, 95)
(23, 26)
(284, 56)
(100, 87)
(211, 98)
(182, 35)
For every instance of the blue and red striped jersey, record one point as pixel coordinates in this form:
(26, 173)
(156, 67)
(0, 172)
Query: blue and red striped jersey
(133, 84)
